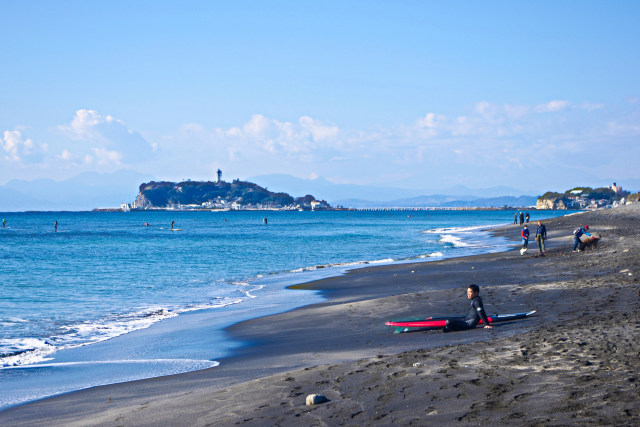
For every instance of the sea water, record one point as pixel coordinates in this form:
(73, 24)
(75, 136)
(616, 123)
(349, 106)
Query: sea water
(65, 295)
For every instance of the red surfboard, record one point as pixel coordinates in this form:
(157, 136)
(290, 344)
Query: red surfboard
(410, 325)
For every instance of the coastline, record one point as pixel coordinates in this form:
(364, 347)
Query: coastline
(145, 353)
(339, 335)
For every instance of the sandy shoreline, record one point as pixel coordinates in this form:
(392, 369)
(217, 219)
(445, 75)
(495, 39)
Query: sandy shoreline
(574, 364)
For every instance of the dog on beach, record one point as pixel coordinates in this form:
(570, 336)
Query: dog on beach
(590, 243)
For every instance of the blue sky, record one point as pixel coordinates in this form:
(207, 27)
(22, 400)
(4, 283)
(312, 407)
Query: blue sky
(535, 95)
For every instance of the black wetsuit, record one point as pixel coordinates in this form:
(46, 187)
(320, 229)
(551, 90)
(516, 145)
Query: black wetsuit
(476, 312)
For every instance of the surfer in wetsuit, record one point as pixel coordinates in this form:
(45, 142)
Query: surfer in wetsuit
(55, 226)
(4, 222)
(475, 314)
(172, 222)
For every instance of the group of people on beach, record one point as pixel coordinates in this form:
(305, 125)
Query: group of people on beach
(475, 312)
(541, 236)
(522, 217)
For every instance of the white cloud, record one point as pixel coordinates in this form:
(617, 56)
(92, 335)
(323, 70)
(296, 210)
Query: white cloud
(552, 106)
(487, 141)
(66, 155)
(107, 134)
(19, 149)
(318, 130)
(107, 157)
(484, 143)
(591, 106)
(272, 136)
(86, 125)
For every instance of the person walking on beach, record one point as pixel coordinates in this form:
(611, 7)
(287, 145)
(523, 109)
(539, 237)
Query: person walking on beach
(521, 218)
(525, 237)
(474, 315)
(541, 236)
(515, 218)
(576, 237)
(526, 217)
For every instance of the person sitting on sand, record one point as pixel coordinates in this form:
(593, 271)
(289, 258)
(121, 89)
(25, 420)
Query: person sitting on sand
(475, 314)
(576, 237)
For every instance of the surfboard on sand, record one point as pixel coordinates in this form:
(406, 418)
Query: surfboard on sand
(411, 325)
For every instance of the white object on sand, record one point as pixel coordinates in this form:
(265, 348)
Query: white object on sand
(314, 399)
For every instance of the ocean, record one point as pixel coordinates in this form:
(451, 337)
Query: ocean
(113, 297)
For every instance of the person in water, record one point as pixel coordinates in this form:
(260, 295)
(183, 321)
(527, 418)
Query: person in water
(475, 314)
(55, 226)
(172, 222)
(4, 222)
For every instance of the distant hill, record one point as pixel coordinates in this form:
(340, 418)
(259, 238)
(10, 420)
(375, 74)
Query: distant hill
(83, 192)
(327, 190)
(438, 201)
(342, 193)
(582, 197)
(220, 194)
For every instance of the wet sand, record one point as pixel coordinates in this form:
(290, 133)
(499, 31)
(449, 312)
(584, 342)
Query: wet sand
(576, 363)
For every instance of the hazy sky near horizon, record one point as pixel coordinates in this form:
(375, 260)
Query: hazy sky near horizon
(534, 95)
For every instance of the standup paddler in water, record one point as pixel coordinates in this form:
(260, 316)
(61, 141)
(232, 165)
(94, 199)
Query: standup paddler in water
(476, 312)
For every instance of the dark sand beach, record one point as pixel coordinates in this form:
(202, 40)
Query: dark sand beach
(575, 363)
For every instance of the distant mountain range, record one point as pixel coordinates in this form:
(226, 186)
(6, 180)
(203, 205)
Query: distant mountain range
(361, 196)
(83, 192)
(438, 201)
(90, 190)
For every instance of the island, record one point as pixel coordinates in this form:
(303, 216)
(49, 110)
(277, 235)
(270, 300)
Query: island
(218, 195)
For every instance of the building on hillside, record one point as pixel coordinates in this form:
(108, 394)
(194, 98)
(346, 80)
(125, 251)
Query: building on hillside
(615, 188)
